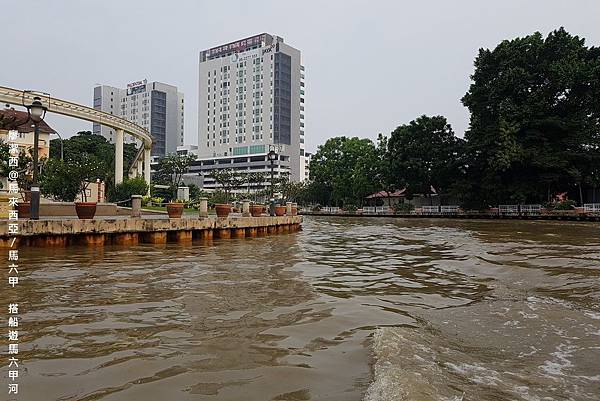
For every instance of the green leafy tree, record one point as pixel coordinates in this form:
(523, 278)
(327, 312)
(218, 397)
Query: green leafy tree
(87, 145)
(24, 168)
(170, 171)
(59, 180)
(255, 180)
(385, 178)
(129, 186)
(195, 192)
(420, 155)
(228, 179)
(343, 171)
(535, 119)
(290, 191)
(64, 180)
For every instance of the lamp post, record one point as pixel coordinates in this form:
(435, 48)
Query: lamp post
(272, 156)
(36, 112)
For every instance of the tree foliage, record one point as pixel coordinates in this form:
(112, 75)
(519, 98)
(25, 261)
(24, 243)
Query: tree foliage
(535, 119)
(534, 132)
(342, 171)
(63, 181)
(129, 186)
(170, 171)
(228, 179)
(85, 145)
(422, 156)
(24, 168)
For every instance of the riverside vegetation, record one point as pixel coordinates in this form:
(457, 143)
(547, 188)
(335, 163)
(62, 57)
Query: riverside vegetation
(534, 132)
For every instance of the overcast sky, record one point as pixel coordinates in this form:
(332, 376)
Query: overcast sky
(370, 65)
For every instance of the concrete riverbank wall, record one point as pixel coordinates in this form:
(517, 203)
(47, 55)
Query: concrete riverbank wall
(131, 231)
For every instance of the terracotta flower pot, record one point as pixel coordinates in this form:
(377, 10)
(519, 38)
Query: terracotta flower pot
(27, 196)
(223, 209)
(256, 210)
(24, 210)
(175, 210)
(279, 210)
(85, 210)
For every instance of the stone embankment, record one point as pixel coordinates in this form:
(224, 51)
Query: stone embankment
(131, 231)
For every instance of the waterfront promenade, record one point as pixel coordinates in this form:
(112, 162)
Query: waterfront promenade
(155, 229)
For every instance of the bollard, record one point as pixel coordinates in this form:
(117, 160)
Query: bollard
(136, 205)
(245, 208)
(272, 207)
(203, 209)
(288, 208)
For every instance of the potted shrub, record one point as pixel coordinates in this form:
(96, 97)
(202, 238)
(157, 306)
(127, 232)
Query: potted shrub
(565, 207)
(24, 210)
(85, 210)
(256, 210)
(24, 207)
(175, 208)
(279, 210)
(156, 201)
(223, 209)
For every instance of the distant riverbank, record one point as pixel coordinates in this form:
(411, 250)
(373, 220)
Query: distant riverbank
(462, 216)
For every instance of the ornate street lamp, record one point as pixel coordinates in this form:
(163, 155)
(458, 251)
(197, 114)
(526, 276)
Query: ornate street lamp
(272, 156)
(36, 112)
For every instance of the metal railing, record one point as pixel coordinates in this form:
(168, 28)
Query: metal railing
(382, 209)
(369, 209)
(430, 209)
(591, 208)
(508, 209)
(530, 209)
(450, 209)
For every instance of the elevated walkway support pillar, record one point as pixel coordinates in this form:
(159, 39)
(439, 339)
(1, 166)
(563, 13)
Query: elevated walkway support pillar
(147, 167)
(119, 156)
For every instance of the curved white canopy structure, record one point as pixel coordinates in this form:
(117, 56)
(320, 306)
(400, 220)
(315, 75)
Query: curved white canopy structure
(64, 107)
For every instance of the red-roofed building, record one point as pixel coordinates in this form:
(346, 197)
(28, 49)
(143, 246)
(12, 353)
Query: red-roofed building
(399, 196)
(11, 119)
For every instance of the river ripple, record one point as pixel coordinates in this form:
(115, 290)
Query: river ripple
(347, 309)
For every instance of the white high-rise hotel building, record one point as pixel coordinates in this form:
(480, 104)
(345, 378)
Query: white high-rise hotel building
(251, 97)
(156, 106)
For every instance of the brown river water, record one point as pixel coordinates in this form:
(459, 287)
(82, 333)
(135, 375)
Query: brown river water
(369, 309)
